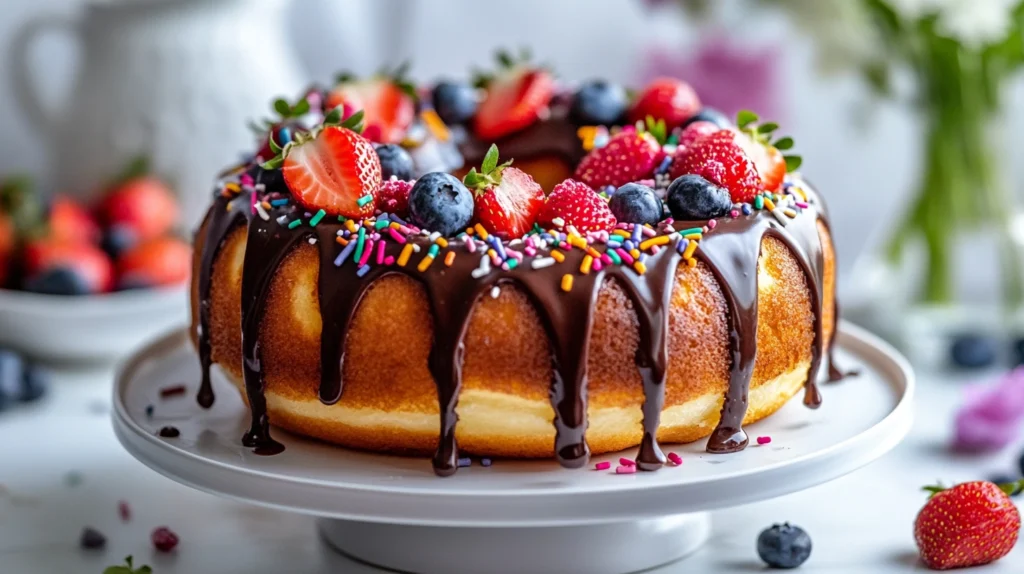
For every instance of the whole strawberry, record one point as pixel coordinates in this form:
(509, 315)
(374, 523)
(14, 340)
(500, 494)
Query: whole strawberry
(970, 524)
(666, 99)
(393, 196)
(629, 156)
(387, 101)
(719, 159)
(516, 96)
(506, 200)
(756, 139)
(694, 132)
(576, 204)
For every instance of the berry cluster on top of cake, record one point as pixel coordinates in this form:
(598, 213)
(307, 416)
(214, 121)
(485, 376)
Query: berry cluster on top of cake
(383, 275)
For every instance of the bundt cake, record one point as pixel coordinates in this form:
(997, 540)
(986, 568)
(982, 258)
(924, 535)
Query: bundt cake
(644, 271)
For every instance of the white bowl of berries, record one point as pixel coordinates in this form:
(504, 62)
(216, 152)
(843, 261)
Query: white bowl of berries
(89, 283)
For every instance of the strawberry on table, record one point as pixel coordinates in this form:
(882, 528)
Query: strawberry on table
(719, 159)
(629, 156)
(388, 103)
(332, 168)
(970, 524)
(506, 200)
(576, 204)
(666, 99)
(515, 98)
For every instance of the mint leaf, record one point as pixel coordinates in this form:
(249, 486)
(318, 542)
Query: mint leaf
(490, 160)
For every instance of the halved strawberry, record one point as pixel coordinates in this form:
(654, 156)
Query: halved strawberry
(388, 107)
(332, 168)
(514, 100)
(629, 156)
(506, 200)
(666, 99)
(576, 204)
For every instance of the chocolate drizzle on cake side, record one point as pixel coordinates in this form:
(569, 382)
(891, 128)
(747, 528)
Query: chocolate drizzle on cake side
(731, 251)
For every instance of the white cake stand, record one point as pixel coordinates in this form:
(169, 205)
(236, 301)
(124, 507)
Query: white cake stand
(513, 516)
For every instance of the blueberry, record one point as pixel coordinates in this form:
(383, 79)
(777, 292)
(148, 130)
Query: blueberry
(972, 351)
(784, 546)
(12, 369)
(1018, 352)
(693, 197)
(92, 539)
(57, 281)
(598, 103)
(455, 102)
(34, 383)
(395, 161)
(710, 115)
(636, 203)
(118, 239)
(440, 202)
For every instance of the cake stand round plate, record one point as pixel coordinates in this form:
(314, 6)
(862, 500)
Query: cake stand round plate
(515, 516)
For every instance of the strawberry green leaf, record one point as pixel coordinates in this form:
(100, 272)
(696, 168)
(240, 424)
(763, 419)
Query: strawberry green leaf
(344, 78)
(273, 144)
(273, 164)
(793, 163)
(744, 118)
(767, 128)
(504, 58)
(490, 159)
(784, 144)
(353, 122)
(333, 117)
(657, 128)
(301, 108)
(282, 108)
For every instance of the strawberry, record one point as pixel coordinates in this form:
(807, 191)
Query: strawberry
(967, 525)
(666, 99)
(629, 156)
(160, 261)
(393, 196)
(719, 159)
(64, 267)
(6, 246)
(387, 102)
(755, 138)
(515, 99)
(694, 132)
(506, 200)
(332, 168)
(145, 205)
(577, 205)
(70, 221)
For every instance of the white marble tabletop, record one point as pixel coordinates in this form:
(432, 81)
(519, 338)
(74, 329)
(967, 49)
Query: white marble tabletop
(62, 469)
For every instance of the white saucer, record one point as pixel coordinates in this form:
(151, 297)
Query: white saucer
(514, 516)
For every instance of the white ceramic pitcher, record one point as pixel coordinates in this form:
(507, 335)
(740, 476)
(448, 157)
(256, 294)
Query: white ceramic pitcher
(174, 79)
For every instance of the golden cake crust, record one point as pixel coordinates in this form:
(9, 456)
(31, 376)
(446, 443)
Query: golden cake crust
(390, 400)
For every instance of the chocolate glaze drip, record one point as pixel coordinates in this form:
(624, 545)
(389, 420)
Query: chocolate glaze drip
(731, 252)
(835, 374)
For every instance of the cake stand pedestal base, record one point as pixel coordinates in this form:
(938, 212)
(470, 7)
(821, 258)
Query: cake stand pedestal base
(611, 548)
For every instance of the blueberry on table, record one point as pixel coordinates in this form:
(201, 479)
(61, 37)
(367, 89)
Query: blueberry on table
(636, 203)
(598, 103)
(693, 197)
(34, 383)
(784, 546)
(454, 102)
(972, 351)
(12, 369)
(92, 539)
(395, 161)
(710, 115)
(440, 202)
